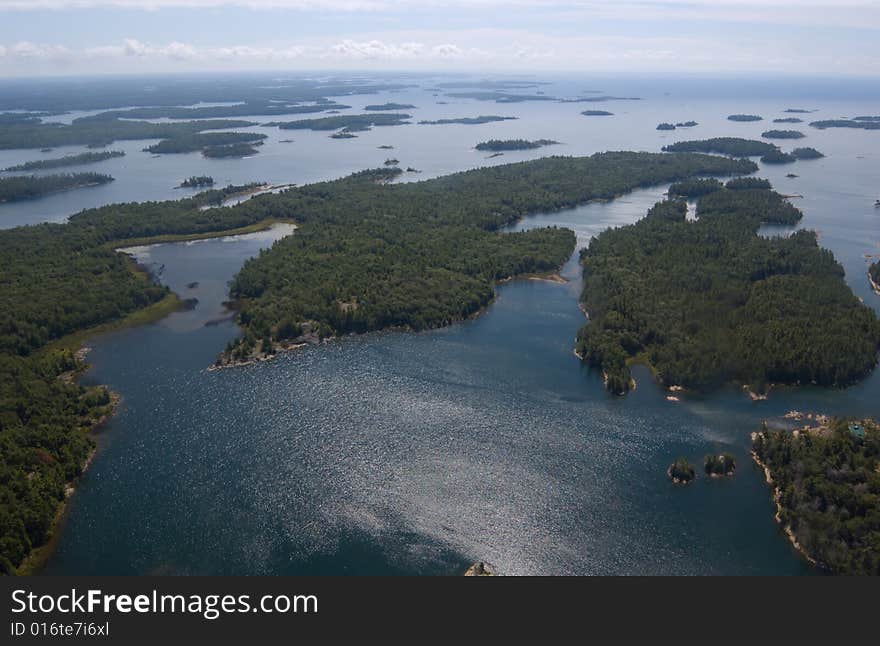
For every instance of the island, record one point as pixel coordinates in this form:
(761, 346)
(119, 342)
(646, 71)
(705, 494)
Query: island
(392, 162)
(744, 117)
(798, 111)
(197, 181)
(748, 316)
(845, 123)
(246, 109)
(385, 107)
(69, 160)
(734, 146)
(719, 466)
(665, 126)
(681, 472)
(783, 134)
(778, 157)
(385, 147)
(467, 121)
(348, 122)
(343, 134)
(497, 145)
(739, 183)
(202, 141)
(806, 153)
(64, 282)
(788, 120)
(97, 133)
(597, 113)
(28, 187)
(230, 150)
(825, 488)
(686, 124)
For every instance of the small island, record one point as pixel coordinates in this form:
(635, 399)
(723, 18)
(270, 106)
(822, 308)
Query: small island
(719, 466)
(783, 134)
(348, 122)
(778, 157)
(788, 120)
(496, 145)
(693, 188)
(28, 187)
(597, 113)
(744, 117)
(389, 107)
(466, 121)
(825, 487)
(343, 134)
(230, 150)
(202, 141)
(69, 160)
(665, 126)
(681, 471)
(798, 111)
(385, 147)
(806, 153)
(197, 181)
(734, 146)
(392, 162)
(686, 124)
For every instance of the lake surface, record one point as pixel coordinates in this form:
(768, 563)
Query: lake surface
(420, 453)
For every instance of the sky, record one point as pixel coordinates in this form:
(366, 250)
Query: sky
(711, 37)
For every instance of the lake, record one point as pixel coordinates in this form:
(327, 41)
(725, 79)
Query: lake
(488, 440)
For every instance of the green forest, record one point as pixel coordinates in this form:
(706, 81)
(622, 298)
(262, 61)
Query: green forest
(202, 141)
(846, 123)
(229, 150)
(28, 187)
(744, 117)
(783, 134)
(806, 153)
(709, 301)
(366, 255)
(351, 122)
(734, 146)
(99, 132)
(496, 145)
(69, 160)
(828, 484)
(467, 121)
(386, 107)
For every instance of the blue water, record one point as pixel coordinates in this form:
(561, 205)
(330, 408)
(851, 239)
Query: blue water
(420, 453)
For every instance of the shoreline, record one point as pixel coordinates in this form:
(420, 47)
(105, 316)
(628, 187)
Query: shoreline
(874, 285)
(777, 494)
(37, 558)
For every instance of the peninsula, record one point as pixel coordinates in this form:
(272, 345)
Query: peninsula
(68, 160)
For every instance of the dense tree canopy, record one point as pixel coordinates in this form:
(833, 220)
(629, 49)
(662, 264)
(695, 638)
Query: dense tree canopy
(496, 145)
(709, 301)
(26, 187)
(734, 146)
(68, 160)
(827, 483)
(202, 141)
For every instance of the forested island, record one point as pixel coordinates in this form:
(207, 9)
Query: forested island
(101, 132)
(718, 466)
(874, 276)
(467, 121)
(665, 126)
(806, 153)
(28, 187)
(202, 141)
(681, 471)
(385, 107)
(734, 146)
(826, 487)
(249, 109)
(197, 181)
(230, 150)
(597, 113)
(778, 157)
(846, 123)
(788, 120)
(686, 124)
(783, 134)
(350, 122)
(496, 145)
(68, 160)
(759, 311)
(744, 117)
